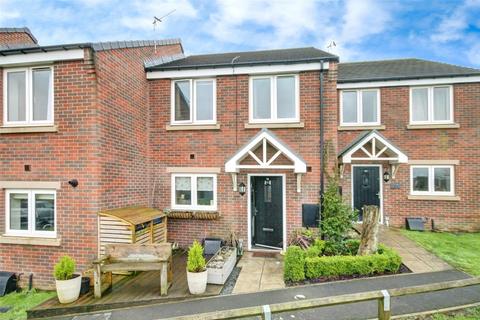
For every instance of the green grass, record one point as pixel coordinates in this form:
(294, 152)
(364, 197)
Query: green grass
(21, 302)
(466, 314)
(460, 250)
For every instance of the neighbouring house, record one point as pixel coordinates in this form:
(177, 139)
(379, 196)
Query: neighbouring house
(223, 143)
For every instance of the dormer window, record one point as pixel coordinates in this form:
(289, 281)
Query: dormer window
(193, 101)
(28, 96)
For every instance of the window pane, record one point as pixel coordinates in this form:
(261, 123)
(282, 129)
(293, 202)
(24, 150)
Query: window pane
(204, 100)
(44, 212)
(286, 97)
(349, 106)
(369, 106)
(182, 100)
(183, 190)
(420, 179)
(441, 103)
(205, 191)
(420, 104)
(442, 179)
(261, 99)
(19, 211)
(16, 96)
(41, 94)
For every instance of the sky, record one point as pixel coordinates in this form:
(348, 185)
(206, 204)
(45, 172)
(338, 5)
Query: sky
(441, 30)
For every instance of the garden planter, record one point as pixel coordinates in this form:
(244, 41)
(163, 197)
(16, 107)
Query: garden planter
(197, 282)
(68, 290)
(221, 265)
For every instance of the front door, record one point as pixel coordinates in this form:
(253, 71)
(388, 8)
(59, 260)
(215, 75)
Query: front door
(366, 187)
(267, 211)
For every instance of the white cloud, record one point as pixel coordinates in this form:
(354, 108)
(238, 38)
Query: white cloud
(453, 24)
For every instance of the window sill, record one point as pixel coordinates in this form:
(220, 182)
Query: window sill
(433, 197)
(34, 241)
(434, 126)
(175, 127)
(274, 125)
(28, 129)
(360, 127)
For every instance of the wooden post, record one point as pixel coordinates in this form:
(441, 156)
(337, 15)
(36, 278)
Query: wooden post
(369, 237)
(384, 312)
(164, 279)
(97, 281)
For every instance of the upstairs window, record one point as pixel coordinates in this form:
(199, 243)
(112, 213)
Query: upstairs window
(194, 191)
(28, 96)
(432, 180)
(360, 107)
(274, 99)
(30, 213)
(431, 105)
(193, 101)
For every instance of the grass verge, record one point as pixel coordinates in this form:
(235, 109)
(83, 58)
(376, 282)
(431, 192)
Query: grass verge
(20, 302)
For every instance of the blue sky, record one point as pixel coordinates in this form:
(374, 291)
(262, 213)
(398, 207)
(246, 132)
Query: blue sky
(447, 31)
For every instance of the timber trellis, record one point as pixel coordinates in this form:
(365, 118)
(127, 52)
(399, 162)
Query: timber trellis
(382, 296)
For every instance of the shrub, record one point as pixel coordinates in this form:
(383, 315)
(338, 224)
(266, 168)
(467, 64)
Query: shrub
(313, 251)
(385, 260)
(64, 269)
(319, 244)
(195, 261)
(294, 265)
(337, 216)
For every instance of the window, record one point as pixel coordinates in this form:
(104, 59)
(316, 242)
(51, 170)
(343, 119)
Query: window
(194, 101)
(194, 191)
(432, 180)
(29, 96)
(431, 105)
(30, 212)
(360, 107)
(274, 99)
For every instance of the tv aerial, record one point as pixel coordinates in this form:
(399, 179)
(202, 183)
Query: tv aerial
(157, 20)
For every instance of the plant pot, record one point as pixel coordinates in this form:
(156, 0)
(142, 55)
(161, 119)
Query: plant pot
(68, 290)
(197, 281)
(85, 287)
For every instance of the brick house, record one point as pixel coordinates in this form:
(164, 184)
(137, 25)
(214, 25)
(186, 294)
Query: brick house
(225, 143)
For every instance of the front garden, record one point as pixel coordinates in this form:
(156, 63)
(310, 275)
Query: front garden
(333, 253)
(19, 302)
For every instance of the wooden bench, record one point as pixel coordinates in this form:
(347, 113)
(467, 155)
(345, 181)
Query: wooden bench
(133, 257)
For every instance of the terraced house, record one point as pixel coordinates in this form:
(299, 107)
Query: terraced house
(223, 143)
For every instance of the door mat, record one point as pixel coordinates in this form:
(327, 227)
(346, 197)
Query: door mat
(264, 254)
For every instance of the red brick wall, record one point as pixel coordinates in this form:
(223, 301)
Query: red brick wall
(431, 144)
(15, 38)
(61, 156)
(213, 148)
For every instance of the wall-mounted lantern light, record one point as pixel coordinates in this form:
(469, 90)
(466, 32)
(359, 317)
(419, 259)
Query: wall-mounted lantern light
(386, 176)
(73, 183)
(242, 188)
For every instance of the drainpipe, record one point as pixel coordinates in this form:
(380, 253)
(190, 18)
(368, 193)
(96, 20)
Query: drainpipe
(322, 142)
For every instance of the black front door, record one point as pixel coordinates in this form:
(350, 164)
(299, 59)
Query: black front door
(267, 211)
(366, 188)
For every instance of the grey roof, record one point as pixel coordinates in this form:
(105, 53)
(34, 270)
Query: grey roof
(163, 59)
(248, 58)
(17, 30)
(96, 46)
(399, 69)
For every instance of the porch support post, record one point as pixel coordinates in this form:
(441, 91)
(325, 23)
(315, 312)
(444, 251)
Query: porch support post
(342, 170)
(299, 182)
(394, 168)
(234, 181)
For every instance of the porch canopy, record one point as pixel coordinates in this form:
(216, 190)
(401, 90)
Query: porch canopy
(371, 146)
(267, 152)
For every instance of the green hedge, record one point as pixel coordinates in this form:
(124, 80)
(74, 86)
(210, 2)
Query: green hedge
(385, 260)
(294, 266)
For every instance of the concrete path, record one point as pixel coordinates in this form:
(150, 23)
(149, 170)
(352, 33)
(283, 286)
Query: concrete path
(366, 310)
(413, 256)
(259, 273)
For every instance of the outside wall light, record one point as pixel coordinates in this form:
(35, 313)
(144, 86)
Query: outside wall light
(242, 188)
(73, 183)
(386, 176)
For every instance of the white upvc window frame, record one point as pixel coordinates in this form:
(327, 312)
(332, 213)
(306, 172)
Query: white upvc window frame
(193, 108)
(273, 99)
(430, 105)
(431, 181)
(193, 178)
(29, 97)
(31, 232)
(360, 121)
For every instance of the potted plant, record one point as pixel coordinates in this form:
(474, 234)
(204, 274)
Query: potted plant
(197, 273)
(68, 284)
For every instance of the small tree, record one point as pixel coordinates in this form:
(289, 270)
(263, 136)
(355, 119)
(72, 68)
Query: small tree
(337, 216)
(64, 269)
(195, 261)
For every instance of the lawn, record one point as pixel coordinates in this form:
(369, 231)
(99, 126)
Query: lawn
(463, 314)
(461, 250)
(21, 302)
